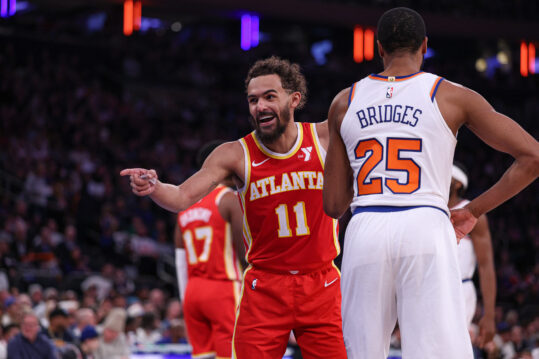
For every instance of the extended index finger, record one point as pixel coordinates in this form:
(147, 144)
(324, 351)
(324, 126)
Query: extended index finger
(132, 171)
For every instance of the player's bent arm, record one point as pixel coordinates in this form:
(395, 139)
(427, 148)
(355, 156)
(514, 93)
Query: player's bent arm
(230, 210)
(503, 134)
(338, 177)
(223, 163)
(482, 243)
(322, 129)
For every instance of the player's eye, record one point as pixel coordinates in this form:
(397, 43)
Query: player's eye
(252, 100)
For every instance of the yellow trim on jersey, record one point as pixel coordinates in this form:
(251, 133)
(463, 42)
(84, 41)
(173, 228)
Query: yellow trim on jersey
(220, 195)
(336, 236)
(247, 175)
(237, 289)
(228, 254)
(222, 357)
(316, 144)
(246, 229)
(337, 268)
(280, 156)
(202, 355)
(238, 311)
(247, 179)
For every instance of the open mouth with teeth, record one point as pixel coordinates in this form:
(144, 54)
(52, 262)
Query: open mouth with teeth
(266, 119)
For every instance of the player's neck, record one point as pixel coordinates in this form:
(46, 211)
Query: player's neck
(401, 64)
(453, 200)
(286, 141)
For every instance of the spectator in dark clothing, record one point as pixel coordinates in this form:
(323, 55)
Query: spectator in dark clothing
(29, 343)
(57, 330)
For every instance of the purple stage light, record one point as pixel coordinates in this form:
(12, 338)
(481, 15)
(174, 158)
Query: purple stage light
(3, 8)
(254, 30)
(246, 32)
(12, 7)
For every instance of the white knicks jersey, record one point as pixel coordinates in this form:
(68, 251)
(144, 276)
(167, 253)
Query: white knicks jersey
(399, 146)
(465, 251)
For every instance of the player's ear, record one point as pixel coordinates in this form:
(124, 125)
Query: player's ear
(380, 49)
(295, 99)
(424, 45)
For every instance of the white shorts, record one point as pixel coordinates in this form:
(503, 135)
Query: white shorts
(470, 300)
(403, 264)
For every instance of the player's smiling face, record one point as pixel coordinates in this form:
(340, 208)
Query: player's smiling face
(270, 106)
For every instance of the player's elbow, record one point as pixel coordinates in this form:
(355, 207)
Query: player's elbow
(333, 209)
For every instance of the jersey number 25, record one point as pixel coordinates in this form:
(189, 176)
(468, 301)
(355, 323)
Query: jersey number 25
(393, 161)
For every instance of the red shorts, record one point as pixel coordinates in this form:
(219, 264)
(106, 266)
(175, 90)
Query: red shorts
(209, 310)
(274, 304)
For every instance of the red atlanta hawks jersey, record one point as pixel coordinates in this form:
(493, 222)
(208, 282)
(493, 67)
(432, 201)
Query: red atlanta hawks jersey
(285, 227)
(207, 239)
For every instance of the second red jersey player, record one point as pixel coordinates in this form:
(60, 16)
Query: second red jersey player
(213, 271)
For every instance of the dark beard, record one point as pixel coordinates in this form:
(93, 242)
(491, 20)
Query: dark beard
(265, 137)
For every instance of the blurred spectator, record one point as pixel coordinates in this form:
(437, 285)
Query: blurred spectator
(147, 333)
(29, 343)
(12, 314)
(89, 342)
(84, 317)
(57, 330)
(176, 333)
(102, 283)
(112, 343)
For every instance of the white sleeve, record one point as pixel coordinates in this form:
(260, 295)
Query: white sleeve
(181, 271)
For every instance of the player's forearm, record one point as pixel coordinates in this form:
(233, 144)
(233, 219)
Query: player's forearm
(169, 197)
(336, 197)
(521, 173)
(487, 283)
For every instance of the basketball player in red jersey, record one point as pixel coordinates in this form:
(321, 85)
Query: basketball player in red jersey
(291, 282)
(208, 239)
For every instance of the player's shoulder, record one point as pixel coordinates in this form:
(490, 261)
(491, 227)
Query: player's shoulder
(455, 91)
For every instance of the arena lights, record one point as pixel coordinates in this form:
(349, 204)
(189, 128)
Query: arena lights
(363, 44)
(132, 16)
(250, 34)
(8, 8)
(527, 58)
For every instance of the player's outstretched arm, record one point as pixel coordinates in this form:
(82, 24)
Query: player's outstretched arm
(338, 177)
(482, 243)
(224, 162)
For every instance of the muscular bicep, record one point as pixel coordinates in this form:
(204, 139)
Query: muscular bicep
(482, 241)
(224, 164)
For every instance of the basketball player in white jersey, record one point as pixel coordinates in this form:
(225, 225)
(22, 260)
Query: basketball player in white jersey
(475, 250)
(392, 140)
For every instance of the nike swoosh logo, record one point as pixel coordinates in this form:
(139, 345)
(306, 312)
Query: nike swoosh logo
(259, 163)
(326, 284)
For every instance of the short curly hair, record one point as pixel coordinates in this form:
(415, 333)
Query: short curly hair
(401, 29)
(290, 74)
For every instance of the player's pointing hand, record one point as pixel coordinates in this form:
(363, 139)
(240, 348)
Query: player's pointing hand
(142, 181)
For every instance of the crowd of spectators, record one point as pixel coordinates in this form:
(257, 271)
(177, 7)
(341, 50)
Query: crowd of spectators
(82, 254)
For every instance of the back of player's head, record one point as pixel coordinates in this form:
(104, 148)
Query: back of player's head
(401, 29)
(290, 74)
(205, 151)
(460, 173)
